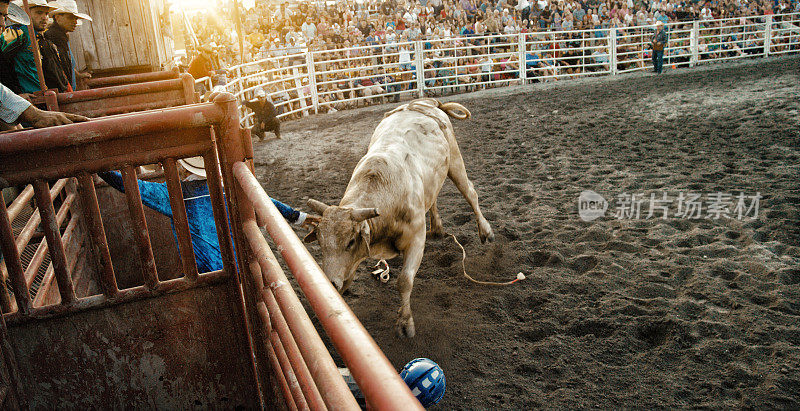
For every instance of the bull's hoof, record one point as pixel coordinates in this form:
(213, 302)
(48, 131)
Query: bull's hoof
(486, 233)
(405, 328)
(435, 233)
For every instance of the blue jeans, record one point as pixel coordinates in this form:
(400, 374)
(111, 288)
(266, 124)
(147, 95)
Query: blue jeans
(658, 60)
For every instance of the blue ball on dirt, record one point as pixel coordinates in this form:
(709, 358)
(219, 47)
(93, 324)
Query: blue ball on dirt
(425, 379)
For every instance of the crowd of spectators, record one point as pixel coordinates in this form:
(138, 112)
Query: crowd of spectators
(364, 49)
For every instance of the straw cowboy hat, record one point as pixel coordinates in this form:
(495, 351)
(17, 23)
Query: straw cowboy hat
(36, 3)
(70, 7)
(194, 165)
(17, 15)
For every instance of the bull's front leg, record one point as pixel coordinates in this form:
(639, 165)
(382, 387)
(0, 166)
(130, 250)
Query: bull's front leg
(437, 229)
(412, 257)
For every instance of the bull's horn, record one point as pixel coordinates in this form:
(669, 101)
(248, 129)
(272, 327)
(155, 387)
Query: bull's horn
(318, 206)
(361, 214)
(455, 110)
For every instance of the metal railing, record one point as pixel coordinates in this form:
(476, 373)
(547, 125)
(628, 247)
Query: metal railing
(316, 378)
(70, 154)
(280, 333)
(37, 280)
(325, 80)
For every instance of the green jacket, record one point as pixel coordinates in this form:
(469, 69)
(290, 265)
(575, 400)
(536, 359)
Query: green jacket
(15, 47)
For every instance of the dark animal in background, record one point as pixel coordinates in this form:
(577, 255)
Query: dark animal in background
(265, 118)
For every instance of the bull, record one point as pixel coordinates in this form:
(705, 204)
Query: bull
(383, 211)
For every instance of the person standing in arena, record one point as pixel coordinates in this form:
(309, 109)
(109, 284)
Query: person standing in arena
(659, 41)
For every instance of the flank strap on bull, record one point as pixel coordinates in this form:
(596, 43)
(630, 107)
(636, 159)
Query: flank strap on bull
(433, 108)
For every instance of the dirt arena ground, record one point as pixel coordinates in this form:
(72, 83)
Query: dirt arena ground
(614, 313)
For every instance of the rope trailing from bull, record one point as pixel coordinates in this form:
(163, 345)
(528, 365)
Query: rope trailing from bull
(383, 273)
(520, 276)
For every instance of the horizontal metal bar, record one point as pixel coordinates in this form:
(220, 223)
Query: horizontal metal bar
(110, 162)
(113, 127)
(119, 91)
(113, 110)
(124, 296)
(131, 78)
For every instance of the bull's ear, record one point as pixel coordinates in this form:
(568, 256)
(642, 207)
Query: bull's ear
(318, 206)
(310, 237)
(361, 214)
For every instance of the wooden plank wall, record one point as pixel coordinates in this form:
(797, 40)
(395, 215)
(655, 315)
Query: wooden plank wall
(124, 33)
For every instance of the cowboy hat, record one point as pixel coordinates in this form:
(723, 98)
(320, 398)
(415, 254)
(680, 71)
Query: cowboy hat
(194, 165)
(17, 15)
(69, 7)
(35, 3)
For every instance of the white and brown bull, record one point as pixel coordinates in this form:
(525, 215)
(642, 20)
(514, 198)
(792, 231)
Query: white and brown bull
(382, 212)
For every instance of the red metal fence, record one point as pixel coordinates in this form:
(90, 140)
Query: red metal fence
(131, 79)
(120, 142)
(121, 99)
(376, 377)
(280, 334)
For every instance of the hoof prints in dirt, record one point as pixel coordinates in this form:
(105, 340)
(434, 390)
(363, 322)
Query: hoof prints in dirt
(638, 314)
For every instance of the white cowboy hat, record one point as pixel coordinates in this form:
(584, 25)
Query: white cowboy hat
(194, 165)
(69, 7)
(17, 15)
(35, 3)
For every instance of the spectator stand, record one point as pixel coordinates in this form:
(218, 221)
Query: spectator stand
(325, 80)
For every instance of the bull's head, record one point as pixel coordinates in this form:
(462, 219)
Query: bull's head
(344, 237)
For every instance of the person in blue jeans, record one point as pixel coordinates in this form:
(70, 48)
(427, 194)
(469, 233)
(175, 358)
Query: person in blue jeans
(198, 209)
(659, 41)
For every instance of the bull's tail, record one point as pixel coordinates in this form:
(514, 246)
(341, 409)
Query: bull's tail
(432, 107)
(455, 110)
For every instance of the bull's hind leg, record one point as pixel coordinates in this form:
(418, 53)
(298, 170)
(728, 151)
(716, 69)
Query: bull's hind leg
(412, 257)
(436, 222)
(458, 174)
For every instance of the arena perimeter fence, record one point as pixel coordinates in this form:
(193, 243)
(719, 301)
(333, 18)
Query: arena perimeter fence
(326, 80)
